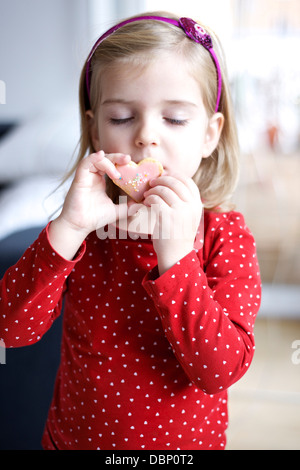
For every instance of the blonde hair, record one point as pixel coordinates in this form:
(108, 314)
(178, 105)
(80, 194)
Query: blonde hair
(138, 43)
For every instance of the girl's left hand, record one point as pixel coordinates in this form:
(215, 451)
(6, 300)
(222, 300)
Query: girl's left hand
(178, 208)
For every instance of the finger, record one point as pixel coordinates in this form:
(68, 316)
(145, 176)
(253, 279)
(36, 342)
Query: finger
(190, 184)
(118, 158)
(99, 163)
(178, 186)
(160, 195)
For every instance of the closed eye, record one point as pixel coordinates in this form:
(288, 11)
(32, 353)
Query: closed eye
(122, 121)
(118, 122)
(177, 122)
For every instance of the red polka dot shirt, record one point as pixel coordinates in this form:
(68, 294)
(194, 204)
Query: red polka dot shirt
(146, 360)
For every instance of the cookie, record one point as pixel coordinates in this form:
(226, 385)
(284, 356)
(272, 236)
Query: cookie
(135, 177)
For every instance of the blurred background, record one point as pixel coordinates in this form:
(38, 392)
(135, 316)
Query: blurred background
(43, 46)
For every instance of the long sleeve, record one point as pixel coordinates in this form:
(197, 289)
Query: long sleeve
(31, 293)
(208, 308)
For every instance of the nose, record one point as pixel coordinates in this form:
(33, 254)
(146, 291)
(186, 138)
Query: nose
(147, 134)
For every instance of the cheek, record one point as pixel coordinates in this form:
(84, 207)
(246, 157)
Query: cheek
(194, 166)
(189, 159)
(110, 140)
(195, 155)
(187, 165)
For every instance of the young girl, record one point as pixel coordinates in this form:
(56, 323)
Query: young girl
(156, 328)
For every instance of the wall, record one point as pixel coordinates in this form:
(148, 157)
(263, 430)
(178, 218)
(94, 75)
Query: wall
(41, 51)
(42, 47)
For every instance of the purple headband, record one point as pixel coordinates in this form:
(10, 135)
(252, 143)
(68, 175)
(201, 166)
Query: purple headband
(192, 29)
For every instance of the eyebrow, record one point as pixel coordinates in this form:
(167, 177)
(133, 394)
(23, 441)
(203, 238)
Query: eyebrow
(181, 103)
(167, 102)
(116, 101)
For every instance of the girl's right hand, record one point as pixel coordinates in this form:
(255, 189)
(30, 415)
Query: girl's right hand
(87, 206)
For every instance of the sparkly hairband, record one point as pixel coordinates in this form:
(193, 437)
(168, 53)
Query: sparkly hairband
(192, 29)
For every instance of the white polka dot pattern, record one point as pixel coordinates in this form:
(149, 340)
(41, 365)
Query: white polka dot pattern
(146, 360)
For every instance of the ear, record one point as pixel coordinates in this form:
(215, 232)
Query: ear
(213, 133)
(93, 130)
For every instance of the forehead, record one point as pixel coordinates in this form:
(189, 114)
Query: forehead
(165, 76)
